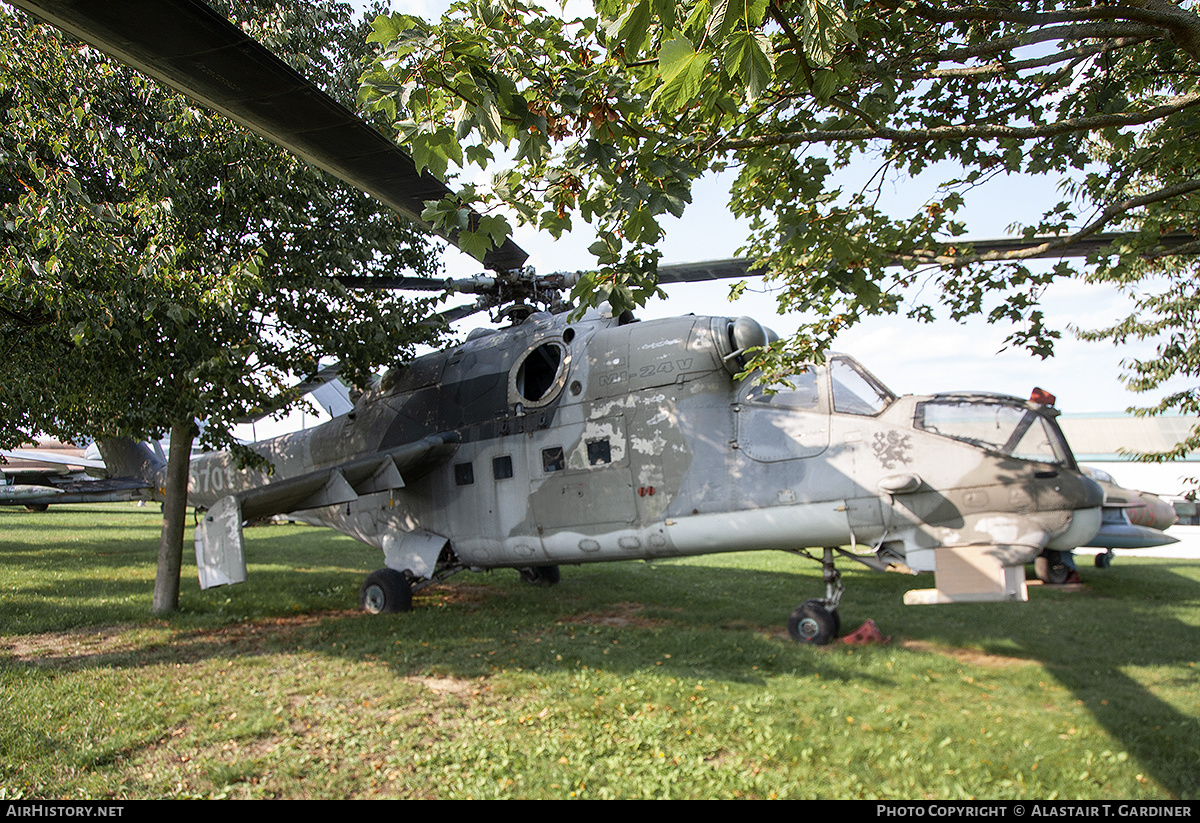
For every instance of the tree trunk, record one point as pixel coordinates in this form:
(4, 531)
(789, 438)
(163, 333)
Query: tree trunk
(170, 548)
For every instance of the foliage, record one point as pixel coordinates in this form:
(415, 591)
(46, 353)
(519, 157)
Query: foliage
(161, 264)
(610, 119)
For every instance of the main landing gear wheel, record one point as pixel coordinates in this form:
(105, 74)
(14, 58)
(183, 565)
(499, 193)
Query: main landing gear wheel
(813, 623)
(1050, 568)
(1104, 559)
(386, 591)
(540, 575)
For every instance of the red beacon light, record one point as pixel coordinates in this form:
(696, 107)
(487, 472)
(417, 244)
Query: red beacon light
(1041, 396)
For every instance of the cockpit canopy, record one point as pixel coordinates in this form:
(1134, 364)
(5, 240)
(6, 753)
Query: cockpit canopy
(854, 389)
(1000, 424)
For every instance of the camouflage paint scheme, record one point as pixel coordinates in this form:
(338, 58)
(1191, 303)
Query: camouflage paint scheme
(556, 442)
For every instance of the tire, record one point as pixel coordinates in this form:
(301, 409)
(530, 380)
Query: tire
(37, 507)
(1104, 560)
(812, 623)
(386, 591)
(1050, 569)
(540, 575)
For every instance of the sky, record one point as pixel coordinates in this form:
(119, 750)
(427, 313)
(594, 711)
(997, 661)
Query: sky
(908, 356)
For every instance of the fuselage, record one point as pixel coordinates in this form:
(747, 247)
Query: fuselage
(594, 440)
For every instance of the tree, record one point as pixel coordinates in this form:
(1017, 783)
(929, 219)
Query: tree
(162, 265)
(610, 119)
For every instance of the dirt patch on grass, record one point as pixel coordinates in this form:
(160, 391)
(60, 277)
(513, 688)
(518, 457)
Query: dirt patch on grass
(113, 644)
(35, 648)
(450, 685)
(972, 656)
(460, 592)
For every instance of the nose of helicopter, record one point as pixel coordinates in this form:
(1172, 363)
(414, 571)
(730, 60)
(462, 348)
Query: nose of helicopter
(1086, 518)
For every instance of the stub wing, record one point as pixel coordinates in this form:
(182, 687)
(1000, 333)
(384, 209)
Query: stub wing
(220, 549)
(114, 490)
(1132, 519)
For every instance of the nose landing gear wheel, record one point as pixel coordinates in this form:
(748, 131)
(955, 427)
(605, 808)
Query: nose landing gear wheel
(1050, 568)
(813, 623)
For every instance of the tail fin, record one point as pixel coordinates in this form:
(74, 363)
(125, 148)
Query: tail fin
(125, 458)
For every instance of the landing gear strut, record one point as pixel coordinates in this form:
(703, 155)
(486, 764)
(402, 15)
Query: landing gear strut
(817, 621)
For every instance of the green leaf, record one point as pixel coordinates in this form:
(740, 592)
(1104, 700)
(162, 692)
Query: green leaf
(435, 150)
(825, 29)
(641, 227)
(714, 31)
(631, 30)
(682, 69)
(748, 56)
(748, 12)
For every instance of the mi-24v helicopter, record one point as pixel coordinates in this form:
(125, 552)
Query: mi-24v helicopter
(553, 441)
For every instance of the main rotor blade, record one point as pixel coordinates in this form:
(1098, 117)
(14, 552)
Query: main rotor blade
(371, 283)
(708, 270)
(740, 267)
(1078, 248)
(457, 313)
(197, 52)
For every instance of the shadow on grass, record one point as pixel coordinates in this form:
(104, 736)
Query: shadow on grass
(699, 618)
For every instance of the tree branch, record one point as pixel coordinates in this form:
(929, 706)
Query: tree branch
(966, 132)
(1151, 12)
(1082, 31)
(1182, 25)
(999, 67)
(1107, 215)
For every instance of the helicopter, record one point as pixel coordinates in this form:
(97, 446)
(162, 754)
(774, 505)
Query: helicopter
(561, 440)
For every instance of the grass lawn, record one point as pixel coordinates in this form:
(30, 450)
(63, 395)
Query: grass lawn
(671, 679)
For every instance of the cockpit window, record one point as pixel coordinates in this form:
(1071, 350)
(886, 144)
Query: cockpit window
(1008, 428)
(855, 390)
(800, 394)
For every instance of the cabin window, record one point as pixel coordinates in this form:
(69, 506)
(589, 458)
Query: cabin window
(464, 474)
(598, 452)
(553, 459)
(502, 468)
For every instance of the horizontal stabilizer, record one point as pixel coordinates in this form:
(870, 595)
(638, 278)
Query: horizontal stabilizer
(58, 458)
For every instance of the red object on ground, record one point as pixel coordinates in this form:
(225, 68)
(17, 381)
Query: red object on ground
(866, 634)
